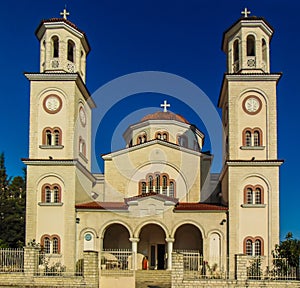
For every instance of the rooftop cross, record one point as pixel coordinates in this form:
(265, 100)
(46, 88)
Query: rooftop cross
(245, 12)
(165, 106)
(65, 13)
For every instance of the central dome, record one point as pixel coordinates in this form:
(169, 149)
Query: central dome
(165, 116)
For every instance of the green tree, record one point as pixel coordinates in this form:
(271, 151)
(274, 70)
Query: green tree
(12, 208)
(286, 257)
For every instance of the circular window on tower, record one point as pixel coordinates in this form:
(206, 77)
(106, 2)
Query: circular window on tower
(252, 105)
(52, 104)
(82, 116)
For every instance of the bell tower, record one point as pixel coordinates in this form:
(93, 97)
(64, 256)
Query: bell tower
(59, 163)
(250, 177)
(246, 44)
(63, 47)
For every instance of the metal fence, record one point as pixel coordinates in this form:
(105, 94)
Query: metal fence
(195, 267)
(262, 268)
(52, 265)
(11, 260)
(116, 261)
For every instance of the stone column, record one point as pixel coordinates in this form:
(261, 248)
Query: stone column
(91, 269)
(170, 242)
(241, 267)
(31, 260)
(134, 242)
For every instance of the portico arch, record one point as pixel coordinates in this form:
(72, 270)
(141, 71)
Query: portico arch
(188, 237)
(116, 236)
(152, 245)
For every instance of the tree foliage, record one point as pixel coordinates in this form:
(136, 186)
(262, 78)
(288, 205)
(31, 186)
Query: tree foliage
(12, 208)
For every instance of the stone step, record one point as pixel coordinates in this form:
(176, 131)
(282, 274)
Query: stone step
(153, 279)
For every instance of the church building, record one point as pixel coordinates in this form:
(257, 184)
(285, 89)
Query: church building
(149, 202)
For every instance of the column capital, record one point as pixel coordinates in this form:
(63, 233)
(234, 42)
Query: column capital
(169, 239)
(133, 239)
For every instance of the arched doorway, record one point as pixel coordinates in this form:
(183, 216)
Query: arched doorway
(188, 237)
(116, 236)
(152, 244)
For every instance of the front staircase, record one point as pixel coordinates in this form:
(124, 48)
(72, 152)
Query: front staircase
(152, 279)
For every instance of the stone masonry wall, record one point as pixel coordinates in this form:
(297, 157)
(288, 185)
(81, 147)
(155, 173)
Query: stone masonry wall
(178, 280)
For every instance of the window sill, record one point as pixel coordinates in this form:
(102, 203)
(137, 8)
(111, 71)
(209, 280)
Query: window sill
(253, 205)
(50, 204)
(51, 146)
(252, 147)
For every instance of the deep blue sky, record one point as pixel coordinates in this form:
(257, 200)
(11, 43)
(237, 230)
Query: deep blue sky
(180, 37)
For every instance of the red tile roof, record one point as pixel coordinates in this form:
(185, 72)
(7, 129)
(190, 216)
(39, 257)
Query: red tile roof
(102, 205)
(184, 206)
(165, 116)
(199, 207)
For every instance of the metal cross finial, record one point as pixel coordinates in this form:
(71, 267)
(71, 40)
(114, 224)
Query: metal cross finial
(245, 12)
(65, 13)
(165, 105)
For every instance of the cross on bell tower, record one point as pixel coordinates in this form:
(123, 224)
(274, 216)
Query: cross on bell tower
(65, 13)
(246, 12)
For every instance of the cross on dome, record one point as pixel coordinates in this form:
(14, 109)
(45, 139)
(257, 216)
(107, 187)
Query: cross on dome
(65, 13)
(165, 106)
(245, 12)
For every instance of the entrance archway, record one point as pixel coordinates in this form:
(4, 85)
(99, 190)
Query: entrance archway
(188, 237)
(116, 236)
(152, 245)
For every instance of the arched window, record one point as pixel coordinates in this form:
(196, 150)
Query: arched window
(252, 137)
(47, 245)
(253, 194)
(82, 147)
(250, 45)
(48, 137)
(258, 195)
(157, 183)
(47, 194)
(236, 56)
(142, 138)
(52, 137)
(172, 189)
(150, 183)
(248, 247)
(71, 50)
(55, 47)
(158, 136)
(164, 185)
(248, 140)
(56, 194)
(256, 138)
(50, 244)
(55, 245)
(56, 137)
(257, 247)
(51, 193)
(249, 196)
(143, 187)
(264, 50)
(165, 136)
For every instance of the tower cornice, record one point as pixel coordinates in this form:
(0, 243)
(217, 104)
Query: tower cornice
(245, 77)
(63, 77)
